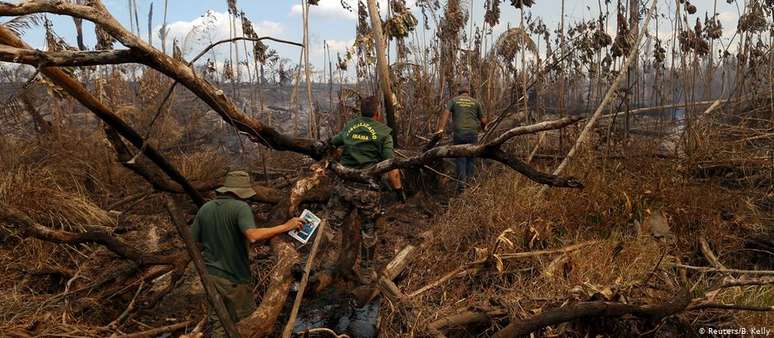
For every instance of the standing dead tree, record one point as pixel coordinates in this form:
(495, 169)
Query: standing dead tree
(385, 83)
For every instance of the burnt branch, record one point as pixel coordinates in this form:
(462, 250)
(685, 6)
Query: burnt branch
(489, 150)
(30, 228)
(40, 58)
(586, 310)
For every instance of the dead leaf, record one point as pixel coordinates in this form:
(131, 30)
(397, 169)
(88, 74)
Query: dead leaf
(556, 266)
(499, 263)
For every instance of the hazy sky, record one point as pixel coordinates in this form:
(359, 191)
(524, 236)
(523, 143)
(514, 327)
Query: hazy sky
(329, 21)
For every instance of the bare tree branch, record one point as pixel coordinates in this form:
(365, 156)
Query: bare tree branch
(40, 58)
(31, 228)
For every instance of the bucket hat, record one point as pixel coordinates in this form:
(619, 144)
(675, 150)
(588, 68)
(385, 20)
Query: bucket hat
(239, 183)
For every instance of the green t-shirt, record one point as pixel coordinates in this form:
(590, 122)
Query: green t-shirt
(220, 225)
(365, 142)
(466, 115)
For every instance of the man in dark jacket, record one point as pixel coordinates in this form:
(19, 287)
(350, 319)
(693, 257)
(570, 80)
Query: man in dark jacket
(364, 141)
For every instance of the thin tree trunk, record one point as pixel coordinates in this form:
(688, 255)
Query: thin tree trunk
(164, 29)
(311, 114)
(563, 82)
(150, 25)
(390, 101)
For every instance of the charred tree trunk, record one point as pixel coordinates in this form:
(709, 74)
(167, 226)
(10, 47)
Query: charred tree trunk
(390, 101)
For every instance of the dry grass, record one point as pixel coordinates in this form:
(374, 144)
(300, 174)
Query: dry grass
(36, 193)
(618, 196)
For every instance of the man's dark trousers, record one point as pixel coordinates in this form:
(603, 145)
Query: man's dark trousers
(466, 166)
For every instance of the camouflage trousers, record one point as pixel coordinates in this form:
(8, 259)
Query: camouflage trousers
(364, 197)
(358, 235)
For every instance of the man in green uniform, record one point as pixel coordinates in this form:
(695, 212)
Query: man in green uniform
(468, 119)
(364, 141)
(222, 226)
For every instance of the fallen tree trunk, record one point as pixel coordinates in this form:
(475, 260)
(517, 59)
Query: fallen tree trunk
(261, 321)
(587, 310)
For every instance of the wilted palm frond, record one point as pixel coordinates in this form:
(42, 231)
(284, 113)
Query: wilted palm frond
(22, 23)
(259, 49)
(453, 21)
(492, 15)
(513, 40)
(400, 24)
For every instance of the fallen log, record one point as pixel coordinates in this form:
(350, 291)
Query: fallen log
(261, 322)
(587, 310)
(391, 271)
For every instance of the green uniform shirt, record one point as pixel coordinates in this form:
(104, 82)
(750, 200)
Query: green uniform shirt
(220, 225)
(365, 141)
(466, 115)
